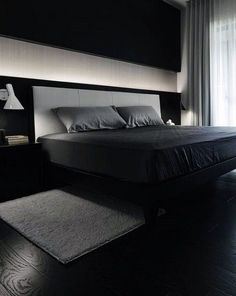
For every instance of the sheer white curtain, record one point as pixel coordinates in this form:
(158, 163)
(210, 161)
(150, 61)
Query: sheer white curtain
(223, 62)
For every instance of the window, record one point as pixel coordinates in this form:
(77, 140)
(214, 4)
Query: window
(223, 67)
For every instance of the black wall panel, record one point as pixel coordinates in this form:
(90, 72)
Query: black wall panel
(141, 31)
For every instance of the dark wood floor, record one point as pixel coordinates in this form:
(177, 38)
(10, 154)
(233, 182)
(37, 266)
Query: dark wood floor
(189, 251)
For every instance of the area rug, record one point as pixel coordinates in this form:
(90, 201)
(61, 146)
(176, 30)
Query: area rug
(69, 223)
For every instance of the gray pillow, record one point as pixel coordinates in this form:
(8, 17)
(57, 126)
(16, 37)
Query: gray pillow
(136, 116)
(77, 119)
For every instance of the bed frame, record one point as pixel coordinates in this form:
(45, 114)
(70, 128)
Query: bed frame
(150, 196)
(168, 194)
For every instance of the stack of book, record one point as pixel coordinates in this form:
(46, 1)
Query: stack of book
(17, 139)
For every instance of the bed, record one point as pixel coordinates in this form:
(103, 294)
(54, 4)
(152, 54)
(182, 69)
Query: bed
(147, 165)
(151, 154)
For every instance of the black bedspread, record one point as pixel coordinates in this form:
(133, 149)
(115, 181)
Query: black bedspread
(147, 154)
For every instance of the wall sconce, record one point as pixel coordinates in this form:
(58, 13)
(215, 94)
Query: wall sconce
(8, 95)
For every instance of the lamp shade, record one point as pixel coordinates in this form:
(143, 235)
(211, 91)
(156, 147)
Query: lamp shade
(12, 102)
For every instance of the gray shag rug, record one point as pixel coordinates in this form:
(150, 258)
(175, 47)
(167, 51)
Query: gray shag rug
(69, 223)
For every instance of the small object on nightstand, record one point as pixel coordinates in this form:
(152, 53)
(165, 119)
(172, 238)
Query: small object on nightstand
(170, 122)
(17, 139)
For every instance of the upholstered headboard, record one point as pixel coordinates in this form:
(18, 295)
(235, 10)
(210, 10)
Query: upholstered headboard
(46, 98)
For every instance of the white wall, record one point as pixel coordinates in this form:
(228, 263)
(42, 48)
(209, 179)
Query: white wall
(24, 59)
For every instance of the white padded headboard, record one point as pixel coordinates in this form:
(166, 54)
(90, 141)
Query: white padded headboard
(46, 98)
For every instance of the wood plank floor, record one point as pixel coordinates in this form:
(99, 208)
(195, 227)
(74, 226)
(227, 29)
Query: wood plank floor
(189, 251)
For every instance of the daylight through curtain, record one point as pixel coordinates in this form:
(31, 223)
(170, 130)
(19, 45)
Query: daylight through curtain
(223, 62)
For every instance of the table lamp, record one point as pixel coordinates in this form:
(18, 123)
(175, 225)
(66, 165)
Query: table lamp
(12, 103)
(8, 95)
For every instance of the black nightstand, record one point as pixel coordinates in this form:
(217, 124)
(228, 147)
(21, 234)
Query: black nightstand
(20, 170)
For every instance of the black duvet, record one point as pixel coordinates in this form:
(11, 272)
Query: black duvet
(146, 154)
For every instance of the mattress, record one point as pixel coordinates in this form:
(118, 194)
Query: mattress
(144, 154)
